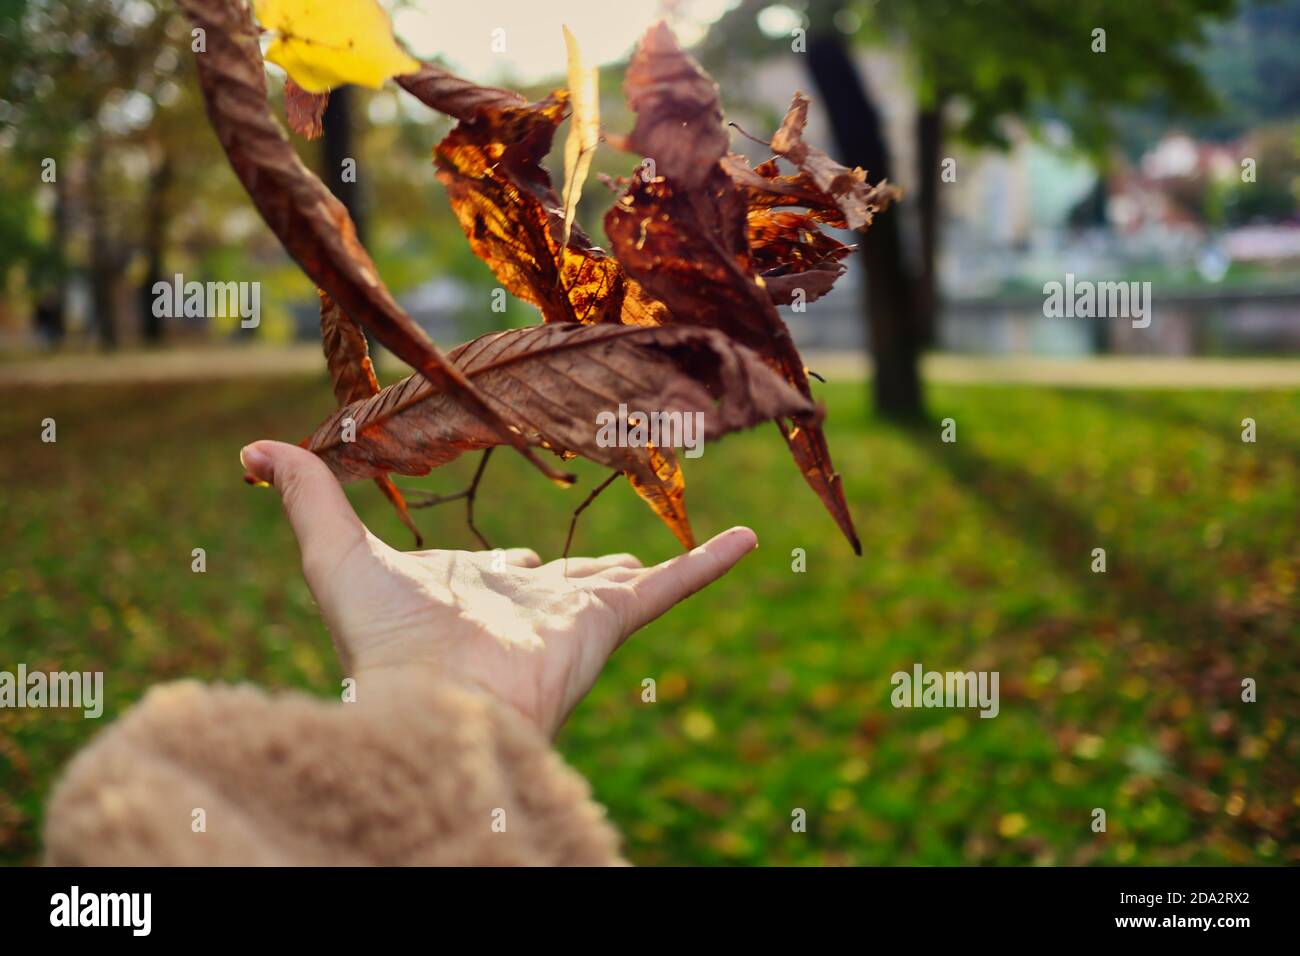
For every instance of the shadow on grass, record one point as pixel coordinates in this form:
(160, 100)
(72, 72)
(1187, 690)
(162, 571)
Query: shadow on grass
(1150, 406)
(1131, 588)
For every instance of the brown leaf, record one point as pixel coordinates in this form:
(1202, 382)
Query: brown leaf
(790, 249)
(666, 494)
(684, 237)
(766, 188)
(447, 93)
(815, 282)
(314, 227)
(491, 165)
(304, 110)
(790, 253)
(503, 198)
(353, 376)
(858, 201)
(558, 378)
(679, 119)
(347, 356)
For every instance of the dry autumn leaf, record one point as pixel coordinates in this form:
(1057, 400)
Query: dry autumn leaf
(584, 129)
(684, 237)
(856, 199)
(491, 165)
(312, 225)
(352, 375)
(304, 111)
(557, 380)
(681, 320)
(322, 44)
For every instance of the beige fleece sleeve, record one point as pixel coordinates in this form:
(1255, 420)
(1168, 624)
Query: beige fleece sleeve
(414, 772)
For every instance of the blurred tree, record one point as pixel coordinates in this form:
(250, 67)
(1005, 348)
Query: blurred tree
(1250, 63)
(96, 87)
(337, 146)
(998, 60)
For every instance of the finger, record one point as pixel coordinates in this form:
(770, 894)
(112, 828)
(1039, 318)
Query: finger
(322, 519)
(662, 586)
(521, 557)
(585, 567)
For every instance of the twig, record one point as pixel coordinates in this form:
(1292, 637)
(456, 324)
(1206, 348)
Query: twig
(742, 132)
(430, 500)
(573, 522)
(470, 492)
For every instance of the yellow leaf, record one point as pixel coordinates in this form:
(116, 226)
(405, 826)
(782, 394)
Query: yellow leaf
(326, 43)
(584, 129)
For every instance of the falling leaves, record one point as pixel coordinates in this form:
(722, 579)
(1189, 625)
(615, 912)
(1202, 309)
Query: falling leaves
(584, 130)
(680, 319)
(685, 237)
(322, 44)
(312, 225)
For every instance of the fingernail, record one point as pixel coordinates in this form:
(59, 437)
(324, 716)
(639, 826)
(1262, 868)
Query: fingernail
(258, 465)
(741, 529)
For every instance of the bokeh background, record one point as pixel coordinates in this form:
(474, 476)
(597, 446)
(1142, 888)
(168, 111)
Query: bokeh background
(1119, 690)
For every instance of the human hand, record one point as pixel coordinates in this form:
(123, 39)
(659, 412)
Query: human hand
(534, 635)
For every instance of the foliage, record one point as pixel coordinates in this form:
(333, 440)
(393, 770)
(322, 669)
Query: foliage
(682, 257)
(1019, 59)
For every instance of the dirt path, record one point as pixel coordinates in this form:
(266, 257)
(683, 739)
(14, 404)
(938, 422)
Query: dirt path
(1110, 372)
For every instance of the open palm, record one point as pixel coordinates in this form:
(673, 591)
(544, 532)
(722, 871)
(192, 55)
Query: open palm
(535, 635)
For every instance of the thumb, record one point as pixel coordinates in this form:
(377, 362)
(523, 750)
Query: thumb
(676, 579)
(323, 521)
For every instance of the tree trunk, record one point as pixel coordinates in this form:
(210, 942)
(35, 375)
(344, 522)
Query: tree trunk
(103, 273)
(52, 304)
(336, 148)
(889, 302)
(929, 143)
(155, 239)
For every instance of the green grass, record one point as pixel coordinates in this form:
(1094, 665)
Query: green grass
(1118, 690)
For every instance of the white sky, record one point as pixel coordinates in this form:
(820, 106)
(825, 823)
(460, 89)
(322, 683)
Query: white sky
(461, 31)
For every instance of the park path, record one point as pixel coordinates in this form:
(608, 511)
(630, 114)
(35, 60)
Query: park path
(195, 364)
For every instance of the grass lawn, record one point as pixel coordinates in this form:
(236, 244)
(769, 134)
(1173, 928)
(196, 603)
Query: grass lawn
(1119, 691)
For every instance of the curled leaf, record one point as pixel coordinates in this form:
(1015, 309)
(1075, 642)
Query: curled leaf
(447, 93)
(491, 165)
(584, 129)
(858, 201)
